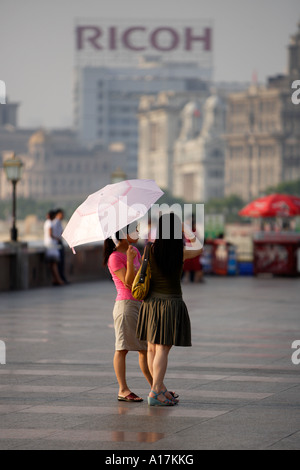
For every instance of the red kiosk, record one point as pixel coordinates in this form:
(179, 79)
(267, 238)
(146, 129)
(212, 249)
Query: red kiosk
(275, 252)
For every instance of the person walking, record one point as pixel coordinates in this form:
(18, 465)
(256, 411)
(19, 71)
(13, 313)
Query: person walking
(52, 251)
(123, 261)
(163, 318)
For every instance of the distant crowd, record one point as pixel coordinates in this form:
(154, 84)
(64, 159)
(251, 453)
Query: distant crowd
(55, 255)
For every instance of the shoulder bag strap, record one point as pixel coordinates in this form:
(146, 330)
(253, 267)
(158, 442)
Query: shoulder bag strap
(145, 262)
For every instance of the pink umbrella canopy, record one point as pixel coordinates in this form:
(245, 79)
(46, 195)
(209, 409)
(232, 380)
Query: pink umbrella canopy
(273, 205)
(110, 209)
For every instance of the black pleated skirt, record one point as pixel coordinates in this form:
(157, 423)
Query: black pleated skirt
(164, 319)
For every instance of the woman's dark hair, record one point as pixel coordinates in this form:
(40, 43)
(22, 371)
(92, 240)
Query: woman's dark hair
(168, 246)
(109, 245)
(51, 214)
(108, 248)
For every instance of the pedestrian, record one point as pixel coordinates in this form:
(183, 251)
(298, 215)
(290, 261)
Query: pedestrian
(163, 318)
(123, 261)
(57, 234)
(52, 250)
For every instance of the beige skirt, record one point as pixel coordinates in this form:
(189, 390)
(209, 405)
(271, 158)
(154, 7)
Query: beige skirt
(125, 316)
(164, 319)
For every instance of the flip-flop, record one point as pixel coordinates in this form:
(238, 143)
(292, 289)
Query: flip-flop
(132, 397)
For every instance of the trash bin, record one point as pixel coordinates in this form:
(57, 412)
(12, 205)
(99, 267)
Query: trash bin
(232, 267)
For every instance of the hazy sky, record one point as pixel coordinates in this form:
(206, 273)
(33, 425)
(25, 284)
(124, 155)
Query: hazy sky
(37, 44)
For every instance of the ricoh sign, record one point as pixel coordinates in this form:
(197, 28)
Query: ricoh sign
(110, 43)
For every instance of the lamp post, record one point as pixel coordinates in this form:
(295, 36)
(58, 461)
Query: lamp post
(13, 169)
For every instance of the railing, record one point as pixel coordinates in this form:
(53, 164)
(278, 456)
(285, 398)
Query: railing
(23, 267)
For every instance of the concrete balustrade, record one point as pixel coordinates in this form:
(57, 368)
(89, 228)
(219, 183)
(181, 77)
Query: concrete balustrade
(23, 267)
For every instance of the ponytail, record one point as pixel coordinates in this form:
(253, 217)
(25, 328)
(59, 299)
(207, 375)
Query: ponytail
(108, 249)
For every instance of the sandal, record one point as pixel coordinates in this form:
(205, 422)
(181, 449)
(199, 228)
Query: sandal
(173, 394)
(153, 401)
(132, 397)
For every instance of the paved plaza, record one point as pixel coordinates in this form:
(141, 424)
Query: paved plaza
(238, 386)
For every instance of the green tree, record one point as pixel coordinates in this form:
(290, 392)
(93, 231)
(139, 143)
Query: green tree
(286, 187)
(228, 206)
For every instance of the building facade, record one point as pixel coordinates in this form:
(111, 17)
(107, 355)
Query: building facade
(160, 123)
(199, 152)
(263, 133)
(56, 167)
(181, 143)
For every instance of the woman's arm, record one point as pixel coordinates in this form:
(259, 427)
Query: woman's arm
(130, 271)
(127, 275)
(121, 274)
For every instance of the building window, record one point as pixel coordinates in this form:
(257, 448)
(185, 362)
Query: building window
(215, 174)
(217, 153)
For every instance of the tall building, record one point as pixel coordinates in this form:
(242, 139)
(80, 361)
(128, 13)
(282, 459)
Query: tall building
(160, 121)
(8, 114)
(118, 63)
(263, 133)
(181, 143)
(199, 151)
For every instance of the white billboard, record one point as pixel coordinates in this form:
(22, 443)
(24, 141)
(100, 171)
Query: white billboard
(111, 43)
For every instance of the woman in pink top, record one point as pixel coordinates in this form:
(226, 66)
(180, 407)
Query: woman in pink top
(123, 261)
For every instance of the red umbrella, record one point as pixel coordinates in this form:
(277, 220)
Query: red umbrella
(282, 205)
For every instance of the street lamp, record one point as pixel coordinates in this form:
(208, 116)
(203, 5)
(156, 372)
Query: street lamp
(13, 169)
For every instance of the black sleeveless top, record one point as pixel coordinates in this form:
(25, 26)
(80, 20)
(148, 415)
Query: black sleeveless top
(170, 285)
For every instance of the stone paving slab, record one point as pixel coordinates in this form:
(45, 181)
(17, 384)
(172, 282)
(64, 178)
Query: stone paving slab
(238, 386)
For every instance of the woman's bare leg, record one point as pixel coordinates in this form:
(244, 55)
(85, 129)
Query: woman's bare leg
(160, 363)
(120, 371)
(144, 366)
(150, 356)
